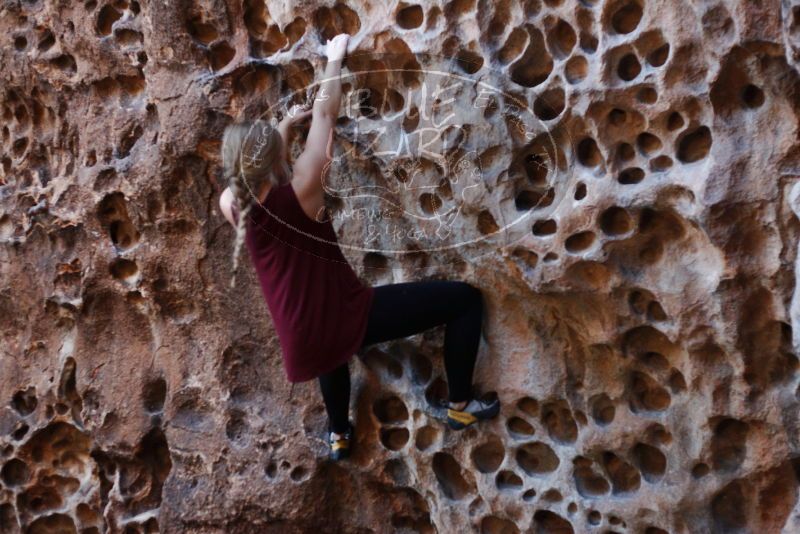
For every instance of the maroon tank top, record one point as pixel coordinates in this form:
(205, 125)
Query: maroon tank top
(318, 304)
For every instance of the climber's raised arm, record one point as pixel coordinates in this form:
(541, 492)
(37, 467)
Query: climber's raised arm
(309, 166)
(294, 115)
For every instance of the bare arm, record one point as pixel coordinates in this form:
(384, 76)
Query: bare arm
(309, 167)
(294, 115)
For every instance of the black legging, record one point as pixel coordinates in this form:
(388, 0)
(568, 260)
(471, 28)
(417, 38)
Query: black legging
(404, 309)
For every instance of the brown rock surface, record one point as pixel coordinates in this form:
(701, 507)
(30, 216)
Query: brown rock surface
(629, 208)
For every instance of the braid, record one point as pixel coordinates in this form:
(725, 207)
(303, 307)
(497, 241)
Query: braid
(242, 198)
(249, 151)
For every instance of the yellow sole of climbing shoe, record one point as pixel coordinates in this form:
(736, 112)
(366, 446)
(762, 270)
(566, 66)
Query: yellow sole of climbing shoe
(458, 420)
(340, 448)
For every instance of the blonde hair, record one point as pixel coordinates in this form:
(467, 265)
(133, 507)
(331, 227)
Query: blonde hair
(249, 151)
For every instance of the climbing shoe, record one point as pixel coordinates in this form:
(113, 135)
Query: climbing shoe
(477, 409)
(340, 445)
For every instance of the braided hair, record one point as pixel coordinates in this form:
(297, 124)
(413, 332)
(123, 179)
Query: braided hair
(250, 150)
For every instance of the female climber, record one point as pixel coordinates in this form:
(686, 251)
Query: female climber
(322, 312)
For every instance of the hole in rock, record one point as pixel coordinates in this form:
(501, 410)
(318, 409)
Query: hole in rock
(436, 392)
(588, 42)
(562, 39)
(430, 203)
(603, 410)
(626, 16)
(655, 312)
(549, 104)
(729, 445)
(220, 54)
(421, 368)
(15, 472)
(587, 482)
(674, 121)
(655, 360)
(677, 382)
(468, 61)
(576, 70)
(528, 406)
(390, 410)
(615, 221)
(398, 471)
(53, 523)
(552, 495)
(700, 470)
(650, 461)
(647, 95)
(659, 56)
(580, 191)
(379, 361)
(557, 418)
(330, 22)
(624, 477)
(588, 153)
(106, 19)
(486, 223)
(631, 175)
(591, 275)
(448, 474)
(646, 394)
(298, 473)
(124, 269)
(455, 9)
(625, 152)
(375, 261)
(537, 458)
(547, 522)
(660, 163)
(425, 437)
(519, 427)
(628, 67)
(20, 431)
(25, 401)
(488, 456)
(508, 480)
(695, 145)
(648, 143)
(530, 258)
(409, 16)
(752, 96)
(394, 439)
(543, 228)
(535, 65)
(497, 525)
(154, 395)
(527, 200)
(580, 241)
(729, 508)
(513, 47)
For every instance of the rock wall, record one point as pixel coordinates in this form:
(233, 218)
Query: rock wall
(629, 207)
